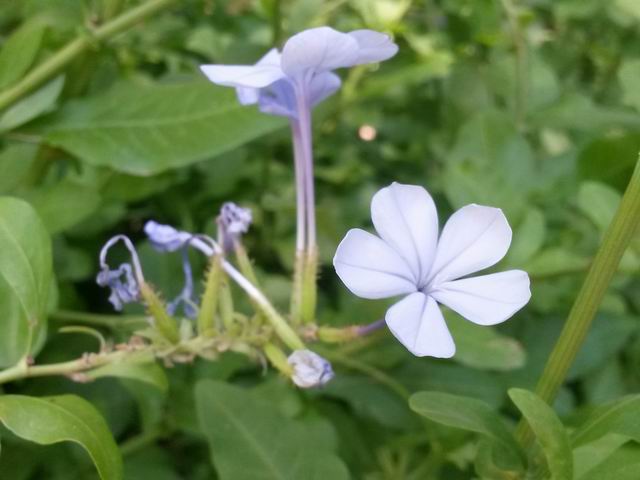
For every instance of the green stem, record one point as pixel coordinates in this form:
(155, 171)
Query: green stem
(22, 370)
(604, 266)
(521, 74)
(72, 50)
(309, 286)
(97, 320)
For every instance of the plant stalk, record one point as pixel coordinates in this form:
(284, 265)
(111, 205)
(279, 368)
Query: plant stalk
(72, 50)
(605, 263)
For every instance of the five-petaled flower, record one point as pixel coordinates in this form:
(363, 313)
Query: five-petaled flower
(301, 76)
(409, 259)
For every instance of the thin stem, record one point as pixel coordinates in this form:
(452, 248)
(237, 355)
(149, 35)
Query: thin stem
(520, 44)
(22, 370)
(97, 320)
(604, 266)
(207, 246)
(72, 50)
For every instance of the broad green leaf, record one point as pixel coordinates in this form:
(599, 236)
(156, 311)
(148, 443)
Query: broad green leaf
(610, 159)
(548, 430)
(528, 238)
(487, 463)
(598, 202)
(65, 204)
(590, 455)
(249, 438)
(145, 371)
(482, 347)
(144, 130)
(488, 146)
(64, 418)
(555, 261)
(32, 106)
(629, 76)
(623, 464)
(15, 162)
(19, 52)
(465, 413)
(620, 416)
(25, 277)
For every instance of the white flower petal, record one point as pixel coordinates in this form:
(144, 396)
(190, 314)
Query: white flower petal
(319, 50)
(406, 218)
(374, 46)
(417, 322)
(370, 268)
(252, 76)
(487, 299)
(474, 238)
(322, 86)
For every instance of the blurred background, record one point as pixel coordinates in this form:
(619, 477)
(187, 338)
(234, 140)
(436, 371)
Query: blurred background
(530, 106)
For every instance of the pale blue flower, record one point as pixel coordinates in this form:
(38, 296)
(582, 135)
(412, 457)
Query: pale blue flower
(282, 83)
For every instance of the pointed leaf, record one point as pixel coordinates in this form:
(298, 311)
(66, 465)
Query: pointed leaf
(145, 130)
(19, 52)
(549, 432)
(64, 418)
(25, 277)
(620, 416)
(464, 413)
(250, 438)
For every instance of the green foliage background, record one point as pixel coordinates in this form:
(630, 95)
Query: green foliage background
(532, 106)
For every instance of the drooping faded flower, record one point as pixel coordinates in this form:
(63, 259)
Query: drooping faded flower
(408, 258)
(301, 76)
(124, 282)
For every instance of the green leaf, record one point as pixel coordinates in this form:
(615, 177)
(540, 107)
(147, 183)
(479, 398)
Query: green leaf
(610, 159)
(65, 204)
(621, 416)
(598, 202)
(144, 130)
(25, 277)
(628, 75)
(590, 455)
(19, 52)
(32, 106)
(64, 418)
(465, 413)
(250, 438)
(623, 464)
(15, 162)
(143, 371)
(548, 430)
(528, 238)
(482, 347)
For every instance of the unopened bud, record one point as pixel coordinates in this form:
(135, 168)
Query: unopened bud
(309, 369)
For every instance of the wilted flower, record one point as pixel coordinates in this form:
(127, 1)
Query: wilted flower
(125, 281)
(408, 259)
(280, 83)
(309, 369)
(233, 221)
(165, 238)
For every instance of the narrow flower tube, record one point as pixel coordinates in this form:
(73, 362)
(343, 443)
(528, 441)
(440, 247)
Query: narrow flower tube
(290, 83)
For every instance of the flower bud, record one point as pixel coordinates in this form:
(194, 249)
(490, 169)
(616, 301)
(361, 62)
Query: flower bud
(309, 369)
